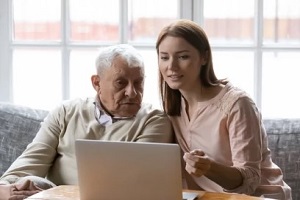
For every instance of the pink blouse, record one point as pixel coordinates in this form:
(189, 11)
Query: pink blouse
(229, 129)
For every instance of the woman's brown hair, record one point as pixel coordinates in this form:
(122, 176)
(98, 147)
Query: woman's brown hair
(194, 35)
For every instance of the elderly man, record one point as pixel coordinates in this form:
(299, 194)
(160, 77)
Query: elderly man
(116, 113)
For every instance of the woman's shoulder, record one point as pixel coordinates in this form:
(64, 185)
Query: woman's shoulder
(231, 96)
(233, 92)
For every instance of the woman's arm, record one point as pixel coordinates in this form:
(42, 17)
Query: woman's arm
(198, 164)
(245, 137)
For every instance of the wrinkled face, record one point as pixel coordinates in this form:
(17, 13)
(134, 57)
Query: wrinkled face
(179, 63)
(121, 89)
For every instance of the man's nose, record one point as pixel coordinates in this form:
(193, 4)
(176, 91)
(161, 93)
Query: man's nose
(130, 91)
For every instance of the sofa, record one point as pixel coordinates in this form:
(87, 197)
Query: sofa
(19, 124)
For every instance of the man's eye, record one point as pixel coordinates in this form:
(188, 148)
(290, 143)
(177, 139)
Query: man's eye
(139, 84)
(120, 83)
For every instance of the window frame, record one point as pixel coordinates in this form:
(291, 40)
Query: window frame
(6, 49)
(188, 9)
(258, 47)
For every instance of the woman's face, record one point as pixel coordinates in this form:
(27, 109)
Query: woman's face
(179, 63)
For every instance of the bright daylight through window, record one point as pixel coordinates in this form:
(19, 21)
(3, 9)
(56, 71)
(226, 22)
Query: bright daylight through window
(53, 44)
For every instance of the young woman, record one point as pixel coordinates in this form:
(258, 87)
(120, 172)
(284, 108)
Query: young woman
(217, 125)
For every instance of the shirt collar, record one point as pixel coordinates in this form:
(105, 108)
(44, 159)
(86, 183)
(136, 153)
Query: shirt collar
(103, 117)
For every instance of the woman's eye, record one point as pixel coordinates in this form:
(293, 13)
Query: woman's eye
(184, 57)
(163, 57)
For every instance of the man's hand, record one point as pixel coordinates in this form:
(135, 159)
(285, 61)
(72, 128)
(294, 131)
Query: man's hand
(197, 163)
(18, 191)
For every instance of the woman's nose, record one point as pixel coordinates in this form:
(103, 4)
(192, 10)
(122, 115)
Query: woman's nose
(173, 65)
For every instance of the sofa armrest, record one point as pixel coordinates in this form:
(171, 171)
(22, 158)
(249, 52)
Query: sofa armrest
(284, 143)
(18, 126)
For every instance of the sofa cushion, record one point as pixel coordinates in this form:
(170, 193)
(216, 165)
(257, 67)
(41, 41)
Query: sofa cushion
(284, 143)
(18, 126)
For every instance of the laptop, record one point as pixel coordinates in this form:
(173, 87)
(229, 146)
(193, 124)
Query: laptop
(128, 170)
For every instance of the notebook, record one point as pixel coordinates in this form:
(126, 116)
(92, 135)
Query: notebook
(128, 170)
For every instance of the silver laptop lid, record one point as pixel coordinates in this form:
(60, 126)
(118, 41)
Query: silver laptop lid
(128, 170)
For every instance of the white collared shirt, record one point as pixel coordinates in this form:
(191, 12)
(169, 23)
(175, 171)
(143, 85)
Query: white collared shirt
(103, 117)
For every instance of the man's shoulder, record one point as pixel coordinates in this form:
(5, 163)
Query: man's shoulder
(79, 102)
(76, 104)
(148, 110)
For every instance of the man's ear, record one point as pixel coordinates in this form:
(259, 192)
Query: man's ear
(96, 82)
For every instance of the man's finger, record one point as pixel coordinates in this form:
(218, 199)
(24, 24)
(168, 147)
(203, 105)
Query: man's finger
(26, 185)
(25, 192)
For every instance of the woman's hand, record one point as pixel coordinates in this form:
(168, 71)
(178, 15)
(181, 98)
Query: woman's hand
(197, 163)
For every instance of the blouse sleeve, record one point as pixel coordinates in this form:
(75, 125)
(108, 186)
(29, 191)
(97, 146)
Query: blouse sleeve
(244, 127)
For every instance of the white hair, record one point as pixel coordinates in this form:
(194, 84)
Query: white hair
(126, 51)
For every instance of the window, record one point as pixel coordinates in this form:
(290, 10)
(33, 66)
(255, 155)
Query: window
(256, 44)
(54, 44)
(48, 51)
